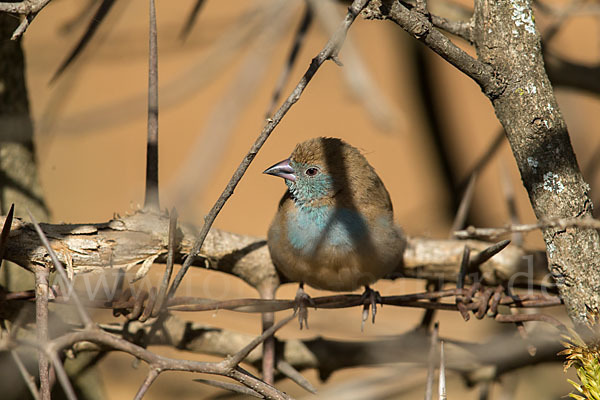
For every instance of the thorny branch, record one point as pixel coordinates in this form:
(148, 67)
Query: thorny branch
(158, 364)
(41, 319)
(127, 242)
(151, 198)
(419, 26)
(51, 350)
(504, 352)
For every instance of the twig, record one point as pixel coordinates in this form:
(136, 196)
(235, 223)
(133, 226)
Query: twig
(485, 158)
(464, 206)
(431, 361)
(576, 75)
(486, 254)
(506, 351)
(177, 89)
(228, 367)
(423, 30)
(25, 21)
(41, 319)
(62, 376)
(530, 317)
(85, 318)
(442, 379)
(462, 29)
(232, 387)
(191, 20)
(509, 196)
(561, 223)
(286, 369)
(170, 261)
(569, 10)
(562, 15)
(29, 380)
(95, 22)
(76, 20)
(232, 362)
(269, 352)
(464, 266)
(484, 390)
(330, 51)
(150, 378)
(592, 166)
(212, 141)
(5, 232)
(357, 76)
(151, 200)
(292, 56)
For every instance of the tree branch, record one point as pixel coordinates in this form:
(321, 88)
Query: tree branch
(151, 198)
(417, 24)
(126, 242)
(540, 143)
(462, 29)
(41, 322)
(158, 364)
(565, 73)
(525, 105)
(24, 7)
(28, 9)
(477, 362)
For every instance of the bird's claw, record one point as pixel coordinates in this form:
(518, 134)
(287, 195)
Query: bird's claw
(370, 298)
(301, 303)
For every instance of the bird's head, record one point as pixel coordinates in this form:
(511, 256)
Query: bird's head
(319, 168)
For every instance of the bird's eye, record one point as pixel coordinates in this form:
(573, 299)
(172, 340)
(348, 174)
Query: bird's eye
(311, 171)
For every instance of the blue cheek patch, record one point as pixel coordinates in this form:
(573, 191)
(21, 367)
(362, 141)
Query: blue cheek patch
(312, 227)
(306, 188)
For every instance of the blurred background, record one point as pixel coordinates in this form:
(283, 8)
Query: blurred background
(421, 123)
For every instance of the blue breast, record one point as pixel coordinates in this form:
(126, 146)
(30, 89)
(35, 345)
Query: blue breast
(312, 227)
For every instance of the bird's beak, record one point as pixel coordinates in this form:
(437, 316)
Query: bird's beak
(282, 169)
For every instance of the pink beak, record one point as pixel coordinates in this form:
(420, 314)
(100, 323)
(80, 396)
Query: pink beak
(282, 169)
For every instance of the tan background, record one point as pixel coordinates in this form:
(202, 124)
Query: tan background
(91, 156)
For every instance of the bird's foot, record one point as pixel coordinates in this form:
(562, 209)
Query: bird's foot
(370, 298)
(301, 303)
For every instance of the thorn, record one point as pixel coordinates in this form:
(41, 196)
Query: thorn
(336, 60)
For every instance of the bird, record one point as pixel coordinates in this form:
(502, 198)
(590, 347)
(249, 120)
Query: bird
(334, 227)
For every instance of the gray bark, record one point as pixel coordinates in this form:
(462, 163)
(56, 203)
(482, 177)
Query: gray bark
(506, 38)
(510, 71)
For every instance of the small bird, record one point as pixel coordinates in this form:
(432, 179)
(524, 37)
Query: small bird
(334, 228)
